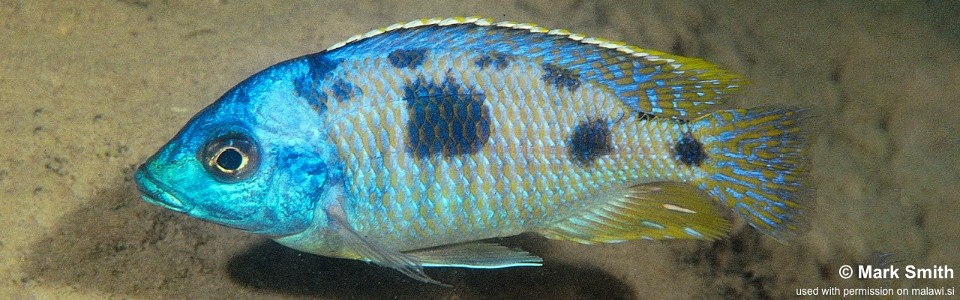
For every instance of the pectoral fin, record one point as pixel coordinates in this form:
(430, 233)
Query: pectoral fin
(378, 253)
(663, 210)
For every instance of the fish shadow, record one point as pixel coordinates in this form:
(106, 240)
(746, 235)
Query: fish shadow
(270, 266)
(118, 245)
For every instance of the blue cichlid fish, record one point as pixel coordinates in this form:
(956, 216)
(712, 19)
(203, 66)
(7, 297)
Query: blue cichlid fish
(409, 144)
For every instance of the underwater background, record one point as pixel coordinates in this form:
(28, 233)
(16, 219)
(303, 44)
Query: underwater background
(89, 89)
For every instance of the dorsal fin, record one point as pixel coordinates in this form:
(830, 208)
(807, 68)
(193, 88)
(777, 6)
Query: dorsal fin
(662, 210)
(648, 81)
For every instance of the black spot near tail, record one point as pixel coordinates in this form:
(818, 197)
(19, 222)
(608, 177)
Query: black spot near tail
(643, 116)
(689, 151)
(446, 118)
(590, 140)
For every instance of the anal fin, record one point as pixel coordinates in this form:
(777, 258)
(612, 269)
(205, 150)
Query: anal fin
(477, 255)
(661, 210)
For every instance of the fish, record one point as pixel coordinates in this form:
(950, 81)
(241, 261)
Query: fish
(417, 144)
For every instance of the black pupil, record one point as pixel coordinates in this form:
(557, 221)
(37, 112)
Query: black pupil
(230, 159)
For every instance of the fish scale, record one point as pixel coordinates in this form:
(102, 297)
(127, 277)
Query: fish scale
(390, 225)
(411, 144)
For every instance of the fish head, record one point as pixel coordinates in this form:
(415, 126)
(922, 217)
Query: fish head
(249, 161)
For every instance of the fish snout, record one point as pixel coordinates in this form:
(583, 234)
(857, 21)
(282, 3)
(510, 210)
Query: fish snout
(156, 193)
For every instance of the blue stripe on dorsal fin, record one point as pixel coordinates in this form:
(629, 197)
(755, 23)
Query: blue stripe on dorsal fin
(648, 81)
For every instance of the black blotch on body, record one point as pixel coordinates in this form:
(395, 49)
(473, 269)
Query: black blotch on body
(560, 77)
(343, 90)
(497, 60)
(404, 58)
(689, 151)
(320, 65)
(305, 88)
(308, 86)
(590, 140)
(446, 118)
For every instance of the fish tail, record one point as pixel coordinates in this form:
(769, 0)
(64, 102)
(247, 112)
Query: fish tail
(756, 164)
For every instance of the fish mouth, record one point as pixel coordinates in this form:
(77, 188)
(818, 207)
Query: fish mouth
(158, 194)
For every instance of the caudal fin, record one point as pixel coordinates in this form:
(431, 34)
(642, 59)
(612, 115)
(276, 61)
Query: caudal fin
(757, 164)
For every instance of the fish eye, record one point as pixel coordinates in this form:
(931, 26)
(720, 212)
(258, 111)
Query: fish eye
(230, 158)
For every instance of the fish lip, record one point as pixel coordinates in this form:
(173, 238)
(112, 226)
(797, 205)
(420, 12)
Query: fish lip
(157, 193)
